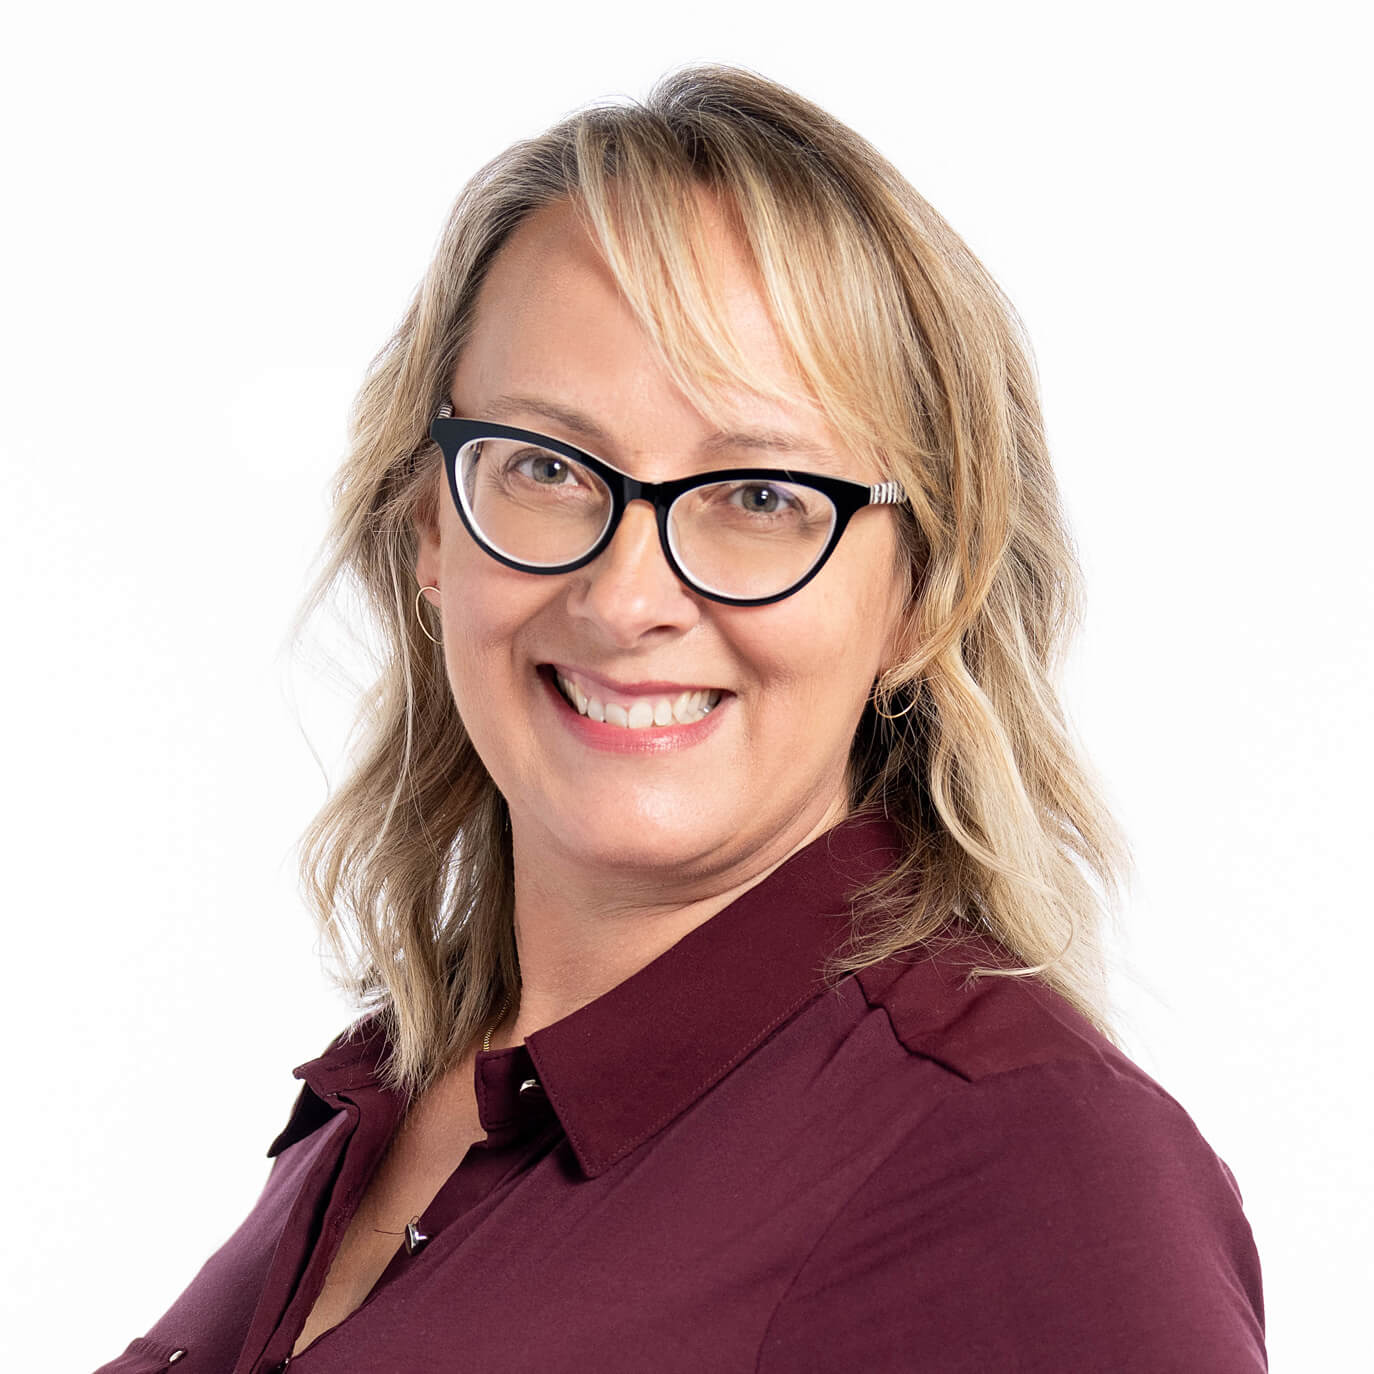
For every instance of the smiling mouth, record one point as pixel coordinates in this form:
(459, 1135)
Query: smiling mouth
(593, 701)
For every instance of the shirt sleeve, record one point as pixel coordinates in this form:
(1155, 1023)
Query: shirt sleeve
(1063, 1218)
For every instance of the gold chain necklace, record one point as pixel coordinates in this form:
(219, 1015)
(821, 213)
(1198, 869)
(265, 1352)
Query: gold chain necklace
(416, 1240)
(500, 1016)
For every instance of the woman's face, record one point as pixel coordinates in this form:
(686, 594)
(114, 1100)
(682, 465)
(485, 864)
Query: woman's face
(556, 349)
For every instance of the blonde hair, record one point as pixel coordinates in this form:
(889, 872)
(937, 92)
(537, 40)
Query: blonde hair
(916, 357)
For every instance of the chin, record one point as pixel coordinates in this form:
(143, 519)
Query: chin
(625, 836)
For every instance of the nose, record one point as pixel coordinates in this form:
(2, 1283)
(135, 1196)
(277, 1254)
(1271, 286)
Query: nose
(628, 589)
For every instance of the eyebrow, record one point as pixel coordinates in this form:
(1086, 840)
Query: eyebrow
(509, 404)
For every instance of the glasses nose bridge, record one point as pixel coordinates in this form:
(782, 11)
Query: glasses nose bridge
(652, 493)
(632, 583)
(659, 500)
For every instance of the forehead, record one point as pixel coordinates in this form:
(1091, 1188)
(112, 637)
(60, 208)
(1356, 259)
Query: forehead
(551, 267)
(559, 344)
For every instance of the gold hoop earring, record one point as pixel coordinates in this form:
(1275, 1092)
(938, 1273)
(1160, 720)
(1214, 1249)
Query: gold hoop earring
(878, 710)
(419, 615)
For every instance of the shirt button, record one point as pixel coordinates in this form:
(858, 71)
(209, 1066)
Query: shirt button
(529, 1085)
(175, 1356)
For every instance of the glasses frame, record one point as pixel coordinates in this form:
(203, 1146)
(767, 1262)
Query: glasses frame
(451, 433)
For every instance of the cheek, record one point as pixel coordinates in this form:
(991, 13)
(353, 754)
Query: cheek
(817, 651)
(835, 644)
(486, 607)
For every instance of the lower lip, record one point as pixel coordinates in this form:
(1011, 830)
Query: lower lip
(619, 739)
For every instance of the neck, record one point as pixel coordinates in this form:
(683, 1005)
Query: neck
(580, 930)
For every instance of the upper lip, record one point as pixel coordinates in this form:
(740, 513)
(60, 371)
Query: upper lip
(633, 689)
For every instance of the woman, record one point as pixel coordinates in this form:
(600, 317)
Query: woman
(719, 869)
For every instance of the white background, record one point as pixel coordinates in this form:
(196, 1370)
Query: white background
(214, 218)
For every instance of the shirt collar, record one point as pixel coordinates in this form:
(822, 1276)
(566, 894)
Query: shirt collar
(620, 1069)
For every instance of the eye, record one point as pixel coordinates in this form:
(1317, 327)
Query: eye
(545, 468)
(758, 505)
(759, 499)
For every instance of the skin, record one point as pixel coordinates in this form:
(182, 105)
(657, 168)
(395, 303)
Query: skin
(617, 856)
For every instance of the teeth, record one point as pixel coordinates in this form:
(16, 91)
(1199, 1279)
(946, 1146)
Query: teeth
(642, 712)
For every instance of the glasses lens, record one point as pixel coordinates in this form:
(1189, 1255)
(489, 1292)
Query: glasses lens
(750, 539)
(530, 503)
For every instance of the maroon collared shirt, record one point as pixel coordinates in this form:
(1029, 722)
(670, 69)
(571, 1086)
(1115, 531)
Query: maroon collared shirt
(723, 1164)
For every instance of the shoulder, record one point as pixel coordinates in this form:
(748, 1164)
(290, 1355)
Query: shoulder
(1010, 1055)
(351, 1058)
(978, 1025)
(1033, 1098)
(1046, 1206)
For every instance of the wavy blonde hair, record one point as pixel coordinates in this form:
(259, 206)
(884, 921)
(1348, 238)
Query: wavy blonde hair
(915, 356)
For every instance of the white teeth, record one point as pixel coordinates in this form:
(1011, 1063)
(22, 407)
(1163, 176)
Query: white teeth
(643, 712)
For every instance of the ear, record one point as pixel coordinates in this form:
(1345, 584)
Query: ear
(901, 641)
(428, 546)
